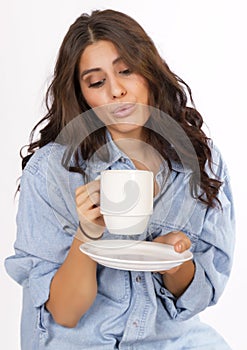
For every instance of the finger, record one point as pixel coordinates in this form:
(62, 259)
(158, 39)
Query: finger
(182, 245)
(100, 221)
(83, 192)
(95, 198)
(89, 188)
(88, 211)
(81, 198)
(92, 220)
(172, 237)
(88, 201)
(93, 214)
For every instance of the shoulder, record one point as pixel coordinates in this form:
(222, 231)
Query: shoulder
(45, 172)
(50, 155)
(218, 165)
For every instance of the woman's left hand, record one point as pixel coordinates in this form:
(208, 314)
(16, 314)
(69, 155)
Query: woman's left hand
(177, 279)
(179, 241)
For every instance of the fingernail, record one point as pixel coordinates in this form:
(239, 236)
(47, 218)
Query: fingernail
(179, 246)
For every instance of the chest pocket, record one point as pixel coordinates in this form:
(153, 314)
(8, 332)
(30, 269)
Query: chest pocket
(113, 284)
(177, 210)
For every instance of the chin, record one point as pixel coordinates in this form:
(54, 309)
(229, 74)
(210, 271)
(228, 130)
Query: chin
(125, 130)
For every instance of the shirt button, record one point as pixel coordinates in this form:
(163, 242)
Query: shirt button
(162, 291)
(138, 279)
(122, 160)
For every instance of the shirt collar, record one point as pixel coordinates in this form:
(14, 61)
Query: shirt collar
(109, 154)
(106, 156)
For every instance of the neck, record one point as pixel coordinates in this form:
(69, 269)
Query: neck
(143, 155)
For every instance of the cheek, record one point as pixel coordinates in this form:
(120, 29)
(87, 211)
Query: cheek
(146, 93)
(142, 87)
(144, 96)
(89, 98)
(92, 98)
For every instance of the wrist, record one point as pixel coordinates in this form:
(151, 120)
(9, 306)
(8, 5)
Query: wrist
(82, 235)
(178, 280)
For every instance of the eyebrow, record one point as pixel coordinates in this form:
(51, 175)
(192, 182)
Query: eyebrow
(98, 69)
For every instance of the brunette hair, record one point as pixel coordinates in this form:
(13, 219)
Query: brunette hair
(168, 94)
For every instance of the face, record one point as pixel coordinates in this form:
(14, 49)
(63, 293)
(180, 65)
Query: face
(118, 95)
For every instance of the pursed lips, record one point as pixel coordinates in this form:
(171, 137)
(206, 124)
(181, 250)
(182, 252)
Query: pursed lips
(123, 110)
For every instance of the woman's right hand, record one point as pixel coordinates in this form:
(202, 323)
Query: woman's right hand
(87, 199)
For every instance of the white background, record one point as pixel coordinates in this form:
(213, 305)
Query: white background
(202, 41)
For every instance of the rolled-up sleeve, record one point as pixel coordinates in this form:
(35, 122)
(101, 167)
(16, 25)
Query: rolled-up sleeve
(213, 258)
(33, 273)
(45, 230)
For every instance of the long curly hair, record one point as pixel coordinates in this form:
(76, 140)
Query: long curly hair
(168, 94)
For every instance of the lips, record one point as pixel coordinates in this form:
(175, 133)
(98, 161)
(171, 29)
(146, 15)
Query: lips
(123, 110)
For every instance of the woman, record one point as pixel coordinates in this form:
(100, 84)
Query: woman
(115, 104)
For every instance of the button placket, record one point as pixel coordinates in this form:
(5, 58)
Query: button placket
(136, 324)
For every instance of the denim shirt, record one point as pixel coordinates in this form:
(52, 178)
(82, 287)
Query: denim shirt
(132, 310)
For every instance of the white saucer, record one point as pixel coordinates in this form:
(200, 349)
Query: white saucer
(134, 255)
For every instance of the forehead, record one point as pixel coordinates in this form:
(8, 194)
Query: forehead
(98, 54)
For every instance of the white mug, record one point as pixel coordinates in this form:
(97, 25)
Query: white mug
(126, 200)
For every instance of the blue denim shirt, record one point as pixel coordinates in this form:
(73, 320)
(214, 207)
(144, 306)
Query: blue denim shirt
(132, 310)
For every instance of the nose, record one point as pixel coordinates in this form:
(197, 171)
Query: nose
(117, 89)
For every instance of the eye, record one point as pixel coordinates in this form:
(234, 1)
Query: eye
(97, 84)
(126, 71)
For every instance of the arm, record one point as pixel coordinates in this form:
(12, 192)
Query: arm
(212, 247)
(47, 261)
(74, 286)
